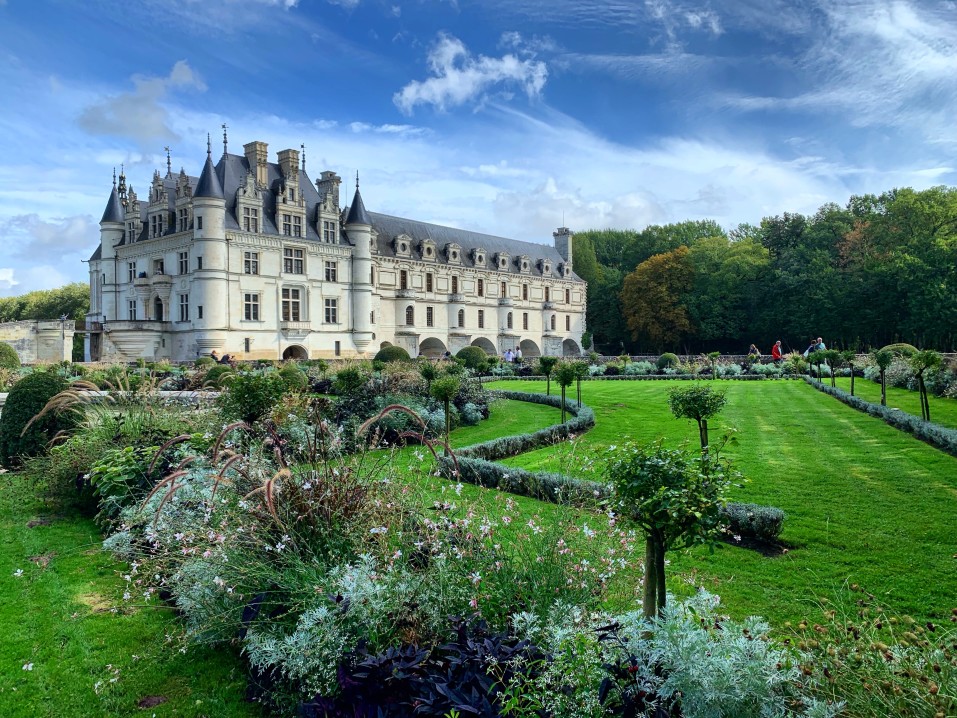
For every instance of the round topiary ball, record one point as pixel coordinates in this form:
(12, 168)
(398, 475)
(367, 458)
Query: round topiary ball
(901, 349)
(474, 358)
(9, 359)
(390, 354)
(667, 360)
(204, 361)
(294, 378)
(214, 377)
(25, 400)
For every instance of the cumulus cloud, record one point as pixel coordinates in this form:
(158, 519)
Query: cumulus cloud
(141, 115)
(7, 281)
(459, 77)
(29, 236)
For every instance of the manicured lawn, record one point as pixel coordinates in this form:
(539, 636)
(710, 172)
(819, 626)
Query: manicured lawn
(55, 618)
(942, 411)
(865, 503)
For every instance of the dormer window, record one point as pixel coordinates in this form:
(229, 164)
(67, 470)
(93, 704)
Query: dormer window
(546, 267)
(524, 264)
(453, 253)
(564, 269)
(403, 245)
(479, 256)
(501, 260)
(427, 250)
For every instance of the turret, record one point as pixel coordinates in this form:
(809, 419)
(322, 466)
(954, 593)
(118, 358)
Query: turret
(111, 234)
(358, 226)
(209, 256)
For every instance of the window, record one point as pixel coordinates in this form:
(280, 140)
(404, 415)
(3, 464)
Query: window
(553, 322)
(525, 292)
(461, 318)
(428, 281)
(293, 260)
(183, 258)
(548, 294)
(158, 266)
(183, 216)
(199, 263)
(568, 296)
(199, 222)
(250, 219)
(247, 344)
(130, 232)
(153, 226)
(328, 231)
(410, 316)
(338, 349)
(292, 195)
(568, 323)
(455, 285)
(291, 302)
(481, 287)
(251, 262)
(331, 271)
(403, 279)
(131, 310)
(199, 312)
(372, 276)
(525, 321)
(332, 311)
(504, 289)
(481, 319)
(184, 307)
(508, 320)
(287, 225)
(371, 317)
(130, 271)
(251, 307)
(297, 226)
(429, 317)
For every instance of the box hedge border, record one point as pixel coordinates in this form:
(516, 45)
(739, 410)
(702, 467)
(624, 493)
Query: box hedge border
(940, 437)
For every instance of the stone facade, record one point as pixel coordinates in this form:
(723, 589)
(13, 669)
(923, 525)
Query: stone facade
(40, 342)
(254, 260)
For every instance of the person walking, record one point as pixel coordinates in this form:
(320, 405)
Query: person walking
(776, 351)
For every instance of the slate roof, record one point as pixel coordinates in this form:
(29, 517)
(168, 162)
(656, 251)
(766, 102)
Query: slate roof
(114, 209)
(357, 212)
(209, 184)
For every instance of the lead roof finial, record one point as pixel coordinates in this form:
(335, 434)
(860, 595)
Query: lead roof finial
(302, 146)
(209, 147)
(225, 143)
(357, 180)
(114, 178)
(169, 163)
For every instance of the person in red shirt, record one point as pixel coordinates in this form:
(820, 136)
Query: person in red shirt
(776, 351)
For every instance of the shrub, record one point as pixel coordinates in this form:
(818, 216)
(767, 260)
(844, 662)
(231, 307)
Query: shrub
(667, 361)
(474, 358)
(753, 521)
(215, 375)
(27, 399)
(901, 349)
(204, 362)
(639, 368)
(9, 359)
(612, 370)
(391, 354)
(250, 397)
(294, 378)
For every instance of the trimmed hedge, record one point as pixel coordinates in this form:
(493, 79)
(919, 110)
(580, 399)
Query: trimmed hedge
(474, 358)
(9, 359)
(27, 399)
(938, 436)
(753, 521)
(391, 354)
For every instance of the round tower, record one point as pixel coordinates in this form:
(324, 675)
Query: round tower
(111, 234)
(358, 227)
(208, 282)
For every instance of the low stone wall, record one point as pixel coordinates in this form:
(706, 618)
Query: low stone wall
(40, 342)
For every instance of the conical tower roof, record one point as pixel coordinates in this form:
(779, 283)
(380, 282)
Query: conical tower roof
(209, 184)
(114, 209)
(357, 212)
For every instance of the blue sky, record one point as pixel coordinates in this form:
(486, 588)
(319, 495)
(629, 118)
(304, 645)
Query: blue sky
(502, 116)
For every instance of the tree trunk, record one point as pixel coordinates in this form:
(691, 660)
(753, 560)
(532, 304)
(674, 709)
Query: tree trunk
(448, 424)
(883, 389)
(703, 435)
(563, 404)
(833, 378)
(548, 383)
(579, 382)
(852, 380)
(649, 598)
(660, 579)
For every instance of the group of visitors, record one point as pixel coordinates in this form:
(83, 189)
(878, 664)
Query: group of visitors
(224, 359)
(817, 345)
(513, 356)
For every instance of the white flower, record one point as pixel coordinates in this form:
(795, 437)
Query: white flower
(378, 530)
(18, 573)
(28, 666)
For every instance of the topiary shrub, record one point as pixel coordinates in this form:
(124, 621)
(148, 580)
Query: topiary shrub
(667, 361)
(753, 521)
(474, 358)
(26, 400)
(214, 377)
(901, 349)
(390, 354)
(204, 361)
(294, 378)
(9, 359)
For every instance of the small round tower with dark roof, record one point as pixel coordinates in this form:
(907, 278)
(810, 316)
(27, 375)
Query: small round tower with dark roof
(111, 235)
(208, 258)
(358, 226)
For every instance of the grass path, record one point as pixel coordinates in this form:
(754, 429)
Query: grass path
(56, 618)
(865, 503)
(942, 411)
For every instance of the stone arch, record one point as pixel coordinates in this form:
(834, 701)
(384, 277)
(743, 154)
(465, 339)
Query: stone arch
(296, 352)
(432, 347)
(529, 349)
(485, 345)
(570, 348)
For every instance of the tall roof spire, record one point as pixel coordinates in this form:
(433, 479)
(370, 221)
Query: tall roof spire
(357, 212)
(209, 184)
(225, 143)
(114, 178)
(302, 146)
(169, 163)
(209, 147)
(114, 209)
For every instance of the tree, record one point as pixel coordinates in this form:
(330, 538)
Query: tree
(832, 358)
(546, 365)
(653, 297)
(564, 375)
(445, 389)
(883, 359)
(848, 357)
(429, 372)
(920, 363)
(675, 497)
(699, 402)
(581, 371)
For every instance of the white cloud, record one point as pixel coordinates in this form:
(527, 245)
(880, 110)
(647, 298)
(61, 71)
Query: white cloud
(7, 281)
(348, 4)
(459, 77)
(141, 115)
(32, 237)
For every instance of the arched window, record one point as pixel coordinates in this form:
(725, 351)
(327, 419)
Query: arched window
(508, 320)
(410, 316)
(461, 318)
(481, 287)
(553, 322)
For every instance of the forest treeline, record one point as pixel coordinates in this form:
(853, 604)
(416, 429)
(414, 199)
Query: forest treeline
(72, 300)
(878, 270)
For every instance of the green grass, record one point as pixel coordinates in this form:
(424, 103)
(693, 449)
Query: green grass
(57, 616)
(942, 411)
(865, 503)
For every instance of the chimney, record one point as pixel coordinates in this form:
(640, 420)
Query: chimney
(563, 243)
(289, 162)
(258, 158)
(328, 183)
